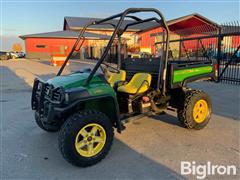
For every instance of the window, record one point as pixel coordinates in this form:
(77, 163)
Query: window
(41, 46)
(155, 34)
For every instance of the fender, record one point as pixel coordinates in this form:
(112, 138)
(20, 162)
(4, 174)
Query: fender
(92, 102)
(198, 78)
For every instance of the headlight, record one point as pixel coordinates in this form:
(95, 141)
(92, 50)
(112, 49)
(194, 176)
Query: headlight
(66, 97)
(75, 94)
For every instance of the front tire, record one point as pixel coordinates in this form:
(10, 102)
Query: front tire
(48, 128)
(195, 112)
(85, 138)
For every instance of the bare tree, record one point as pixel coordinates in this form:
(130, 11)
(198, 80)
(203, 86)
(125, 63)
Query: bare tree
(17, 47)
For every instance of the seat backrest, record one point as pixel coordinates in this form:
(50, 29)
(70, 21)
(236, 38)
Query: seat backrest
(143, 65)
(139, 78)
(114, 77)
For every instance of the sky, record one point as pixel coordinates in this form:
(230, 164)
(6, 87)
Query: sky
(19, 17)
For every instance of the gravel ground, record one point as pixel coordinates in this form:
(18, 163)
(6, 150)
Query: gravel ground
(149, 148)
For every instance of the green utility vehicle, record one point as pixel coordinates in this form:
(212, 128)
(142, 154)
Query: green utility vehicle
(87, 105)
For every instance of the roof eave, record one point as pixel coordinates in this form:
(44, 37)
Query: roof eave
(171, 22)
(74, 28)
(55, 37)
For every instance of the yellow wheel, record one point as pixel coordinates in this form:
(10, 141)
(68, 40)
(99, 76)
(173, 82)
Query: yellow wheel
(195, 111)
(85, 138)
(200, 111)
(90, 140)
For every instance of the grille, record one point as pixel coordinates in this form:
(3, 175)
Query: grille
(51, 93)
(47, 90)
(56, 95)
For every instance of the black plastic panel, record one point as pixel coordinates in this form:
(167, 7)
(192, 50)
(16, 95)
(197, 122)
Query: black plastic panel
(140, 65)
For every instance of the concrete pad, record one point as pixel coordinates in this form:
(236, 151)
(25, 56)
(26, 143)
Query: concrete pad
(150, 147)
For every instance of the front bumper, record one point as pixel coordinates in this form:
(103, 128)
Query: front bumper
(45, 98)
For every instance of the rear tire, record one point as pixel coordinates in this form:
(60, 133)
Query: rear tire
(71, 135)
(195, 112)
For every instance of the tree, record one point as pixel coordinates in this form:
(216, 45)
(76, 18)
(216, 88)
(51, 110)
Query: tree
(17, 47)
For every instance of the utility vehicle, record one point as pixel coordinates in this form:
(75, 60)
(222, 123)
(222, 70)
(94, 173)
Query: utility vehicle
(11, 55)
(4, 55)
(15, 55)
(87, 105)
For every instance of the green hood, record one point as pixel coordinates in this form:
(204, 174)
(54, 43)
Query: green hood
(73, 80)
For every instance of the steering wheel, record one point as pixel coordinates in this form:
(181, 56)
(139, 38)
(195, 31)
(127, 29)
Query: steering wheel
(110, 68)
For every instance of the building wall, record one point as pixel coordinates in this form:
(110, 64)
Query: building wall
(128, 35)
(235, 41)
(147, 40)
(45, 47)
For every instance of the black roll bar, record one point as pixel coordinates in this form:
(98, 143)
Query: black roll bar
(141, 21)
(122, 16)
(74, 47)
(116, 32)
(80, 36)
(134, 18)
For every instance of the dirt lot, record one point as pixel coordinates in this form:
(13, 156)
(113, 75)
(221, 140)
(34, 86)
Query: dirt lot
(150, 148)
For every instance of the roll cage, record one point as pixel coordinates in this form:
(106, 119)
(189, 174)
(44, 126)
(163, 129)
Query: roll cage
(118, 31)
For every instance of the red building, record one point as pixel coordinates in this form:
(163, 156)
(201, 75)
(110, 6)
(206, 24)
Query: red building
(43, 45)
(186, 26)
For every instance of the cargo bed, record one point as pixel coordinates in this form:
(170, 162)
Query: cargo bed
(181, 72)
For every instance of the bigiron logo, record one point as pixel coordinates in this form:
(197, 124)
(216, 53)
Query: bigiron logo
(201, 171)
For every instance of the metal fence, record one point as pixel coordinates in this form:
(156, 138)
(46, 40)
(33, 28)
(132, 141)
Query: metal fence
(210, 42)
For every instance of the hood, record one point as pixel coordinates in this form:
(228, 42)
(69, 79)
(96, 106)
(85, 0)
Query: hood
(72, 80)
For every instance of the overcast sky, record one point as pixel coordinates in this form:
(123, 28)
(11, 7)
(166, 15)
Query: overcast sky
(19, 17)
